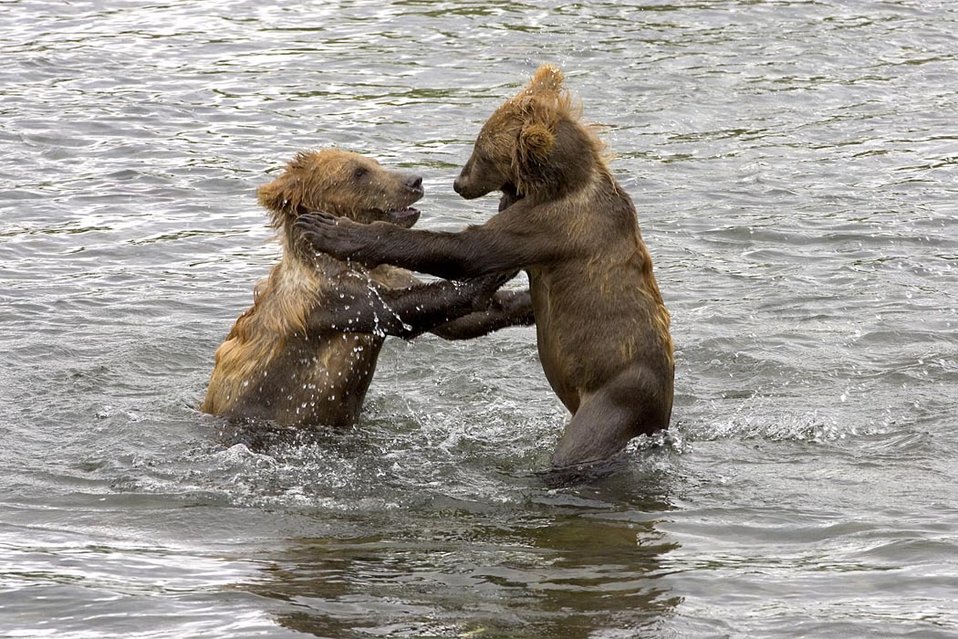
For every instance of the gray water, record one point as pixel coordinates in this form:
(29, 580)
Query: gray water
(795, 168)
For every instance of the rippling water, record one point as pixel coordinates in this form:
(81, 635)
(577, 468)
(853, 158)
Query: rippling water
(795, 166)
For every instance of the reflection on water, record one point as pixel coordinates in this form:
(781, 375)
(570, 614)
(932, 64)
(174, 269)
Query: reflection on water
(794, 168)
(472, 572)
(452, 550)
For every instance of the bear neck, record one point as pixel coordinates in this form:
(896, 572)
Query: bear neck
(290, 238)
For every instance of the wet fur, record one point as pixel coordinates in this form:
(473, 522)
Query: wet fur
(306, 351)
(602, 327)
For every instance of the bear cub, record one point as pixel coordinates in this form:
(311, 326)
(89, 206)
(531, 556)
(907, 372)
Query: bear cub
(602, 328)
(304, 354)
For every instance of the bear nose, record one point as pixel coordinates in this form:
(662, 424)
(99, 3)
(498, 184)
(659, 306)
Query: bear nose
(414, 182)
(457, 186)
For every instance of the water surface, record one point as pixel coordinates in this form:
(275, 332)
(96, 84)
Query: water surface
(795, 168)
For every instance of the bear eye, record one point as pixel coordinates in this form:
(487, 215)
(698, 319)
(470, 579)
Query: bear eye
(360, 172)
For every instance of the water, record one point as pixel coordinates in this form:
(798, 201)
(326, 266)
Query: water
(795, 165)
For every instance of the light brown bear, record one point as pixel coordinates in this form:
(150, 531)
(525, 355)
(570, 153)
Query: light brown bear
(602, 328)
(304, 354)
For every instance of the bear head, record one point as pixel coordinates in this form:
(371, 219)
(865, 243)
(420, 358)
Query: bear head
(533, 145)
(341, 183)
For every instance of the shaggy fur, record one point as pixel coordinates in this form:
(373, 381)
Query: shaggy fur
(602, 328)
(305, 352)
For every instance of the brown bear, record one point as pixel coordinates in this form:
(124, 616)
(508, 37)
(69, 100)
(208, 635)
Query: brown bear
(305, 352)
(602, 328)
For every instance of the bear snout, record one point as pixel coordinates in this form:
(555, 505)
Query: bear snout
(413, 183)
(463, 187)
(467, 189)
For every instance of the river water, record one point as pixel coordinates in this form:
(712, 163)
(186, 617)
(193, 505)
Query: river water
(795, 169)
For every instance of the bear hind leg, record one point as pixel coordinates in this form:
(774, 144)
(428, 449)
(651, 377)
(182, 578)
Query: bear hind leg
(630, 405)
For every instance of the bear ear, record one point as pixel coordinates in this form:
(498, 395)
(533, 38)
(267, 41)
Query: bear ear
(547, 79)
(273, 195)
(287, 192)
(279, 198)
(536, 143)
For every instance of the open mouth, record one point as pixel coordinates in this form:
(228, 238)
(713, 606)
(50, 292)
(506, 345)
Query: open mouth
(404, 217)
(509, 196)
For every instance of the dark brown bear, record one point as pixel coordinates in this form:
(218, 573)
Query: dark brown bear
(305, 352)
(603, 331)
